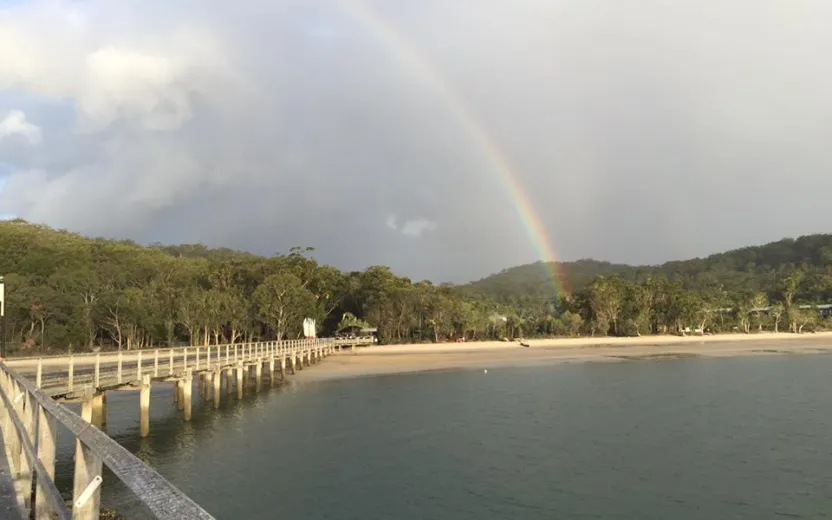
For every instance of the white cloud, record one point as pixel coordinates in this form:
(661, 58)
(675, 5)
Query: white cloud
(412, 228)
(418, 227)
(52, 49)
(15, 123)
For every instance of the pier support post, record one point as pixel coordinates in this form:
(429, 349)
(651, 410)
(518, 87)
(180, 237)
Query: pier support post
(258, 374)
(206, 386)
(88, 466)
(99, 410)
(282, 369)
(217, 388)
(180, 394)
(229, 380)
(241, 381)
(144, 407)
(293, 364)
(271, 372)
(187, 386)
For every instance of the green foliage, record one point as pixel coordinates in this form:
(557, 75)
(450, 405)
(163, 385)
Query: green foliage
(67, 292)
(350, 321)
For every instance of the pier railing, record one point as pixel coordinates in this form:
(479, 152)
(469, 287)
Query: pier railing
(77, 376)
(30, 420)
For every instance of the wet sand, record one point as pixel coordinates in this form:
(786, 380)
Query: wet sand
(399, 359)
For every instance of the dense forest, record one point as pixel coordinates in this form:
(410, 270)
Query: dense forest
(68, 292)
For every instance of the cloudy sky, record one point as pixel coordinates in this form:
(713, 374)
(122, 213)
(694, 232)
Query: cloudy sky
(375, 130)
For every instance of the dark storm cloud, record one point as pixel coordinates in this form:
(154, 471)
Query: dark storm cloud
(641, 135)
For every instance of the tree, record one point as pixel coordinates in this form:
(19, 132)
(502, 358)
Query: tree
(743, 305)
(606, 299)
(789, 287)
(282, 302)
(67, 290)
(802, 317)
(759, 304)
(776, 312)
(640, 299)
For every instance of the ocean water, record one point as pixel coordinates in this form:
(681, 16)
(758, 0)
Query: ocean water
(741, 438)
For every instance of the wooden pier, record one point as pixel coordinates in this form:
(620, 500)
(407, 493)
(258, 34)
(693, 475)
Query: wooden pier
(30, 413)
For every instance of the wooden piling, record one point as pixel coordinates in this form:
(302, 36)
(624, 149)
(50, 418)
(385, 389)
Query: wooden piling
(258, 374)
(118, 372)
(180, 394)
(144, 407)
(217, 388)
(206, 386)
(187, 386)
(88, 467)
(241, 382)
(271, 372)
(70, 374)
(98, 410)
(229, 380)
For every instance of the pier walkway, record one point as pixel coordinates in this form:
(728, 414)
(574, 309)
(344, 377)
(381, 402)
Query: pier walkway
(31, 413)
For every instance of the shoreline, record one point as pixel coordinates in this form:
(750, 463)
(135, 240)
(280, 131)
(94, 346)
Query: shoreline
(432, 357)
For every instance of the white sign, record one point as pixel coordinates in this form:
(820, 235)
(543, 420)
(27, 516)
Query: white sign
(309, 328)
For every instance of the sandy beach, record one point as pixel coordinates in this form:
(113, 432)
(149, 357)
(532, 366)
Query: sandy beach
(399, 359)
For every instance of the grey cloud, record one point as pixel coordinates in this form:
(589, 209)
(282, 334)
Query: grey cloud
(676, 129)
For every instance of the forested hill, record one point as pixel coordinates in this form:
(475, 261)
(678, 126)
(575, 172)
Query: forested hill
(69, 292)
(749, 269)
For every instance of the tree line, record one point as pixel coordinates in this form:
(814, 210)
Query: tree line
(67, 292)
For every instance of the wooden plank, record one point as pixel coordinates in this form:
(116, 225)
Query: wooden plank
(139, 366)
(27, 418)
(9, 507)
(88, 466)
(52, 494)
(161, 497)
(47, 433)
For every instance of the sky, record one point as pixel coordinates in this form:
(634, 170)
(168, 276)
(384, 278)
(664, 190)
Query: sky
(428, 136)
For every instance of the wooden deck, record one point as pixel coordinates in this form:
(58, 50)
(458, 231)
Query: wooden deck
(81, 376)
(30, 415)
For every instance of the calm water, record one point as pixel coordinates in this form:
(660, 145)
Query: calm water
(675, 439)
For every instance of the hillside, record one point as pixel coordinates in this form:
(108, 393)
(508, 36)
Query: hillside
(749, 269)
(65, 292)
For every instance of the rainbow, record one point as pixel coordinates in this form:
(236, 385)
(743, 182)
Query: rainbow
(496, 158)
